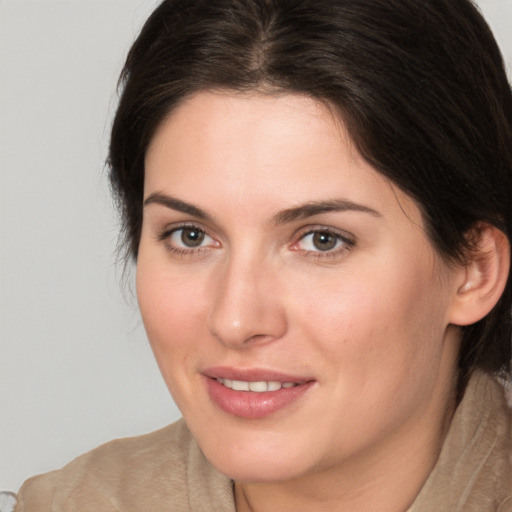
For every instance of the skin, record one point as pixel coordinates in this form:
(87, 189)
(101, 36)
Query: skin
(369, 320)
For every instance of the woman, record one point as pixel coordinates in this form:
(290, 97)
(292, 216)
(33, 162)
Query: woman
(316, 194)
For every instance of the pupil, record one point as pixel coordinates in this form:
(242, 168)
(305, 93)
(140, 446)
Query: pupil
(192, 237)
(324, 241)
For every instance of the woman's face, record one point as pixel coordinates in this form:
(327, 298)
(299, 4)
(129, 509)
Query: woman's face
(273, 258)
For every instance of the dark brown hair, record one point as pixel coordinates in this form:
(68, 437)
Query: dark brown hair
(420, 85)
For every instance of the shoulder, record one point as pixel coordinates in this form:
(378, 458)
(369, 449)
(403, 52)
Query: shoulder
(149, 472)
(474, 469)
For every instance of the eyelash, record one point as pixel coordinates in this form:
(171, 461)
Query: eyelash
(167, 234)
(347, 243)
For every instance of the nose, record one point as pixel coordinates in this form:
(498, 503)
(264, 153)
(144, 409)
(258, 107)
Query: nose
(246, 308)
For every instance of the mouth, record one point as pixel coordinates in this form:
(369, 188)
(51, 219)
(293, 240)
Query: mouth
(253, 393)
(259, 386)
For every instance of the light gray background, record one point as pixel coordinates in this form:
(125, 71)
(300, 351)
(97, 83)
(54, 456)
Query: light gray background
(75, 366)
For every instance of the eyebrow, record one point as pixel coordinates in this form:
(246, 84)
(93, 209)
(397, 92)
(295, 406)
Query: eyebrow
(284, 216)
(319, 207)
(176, 204)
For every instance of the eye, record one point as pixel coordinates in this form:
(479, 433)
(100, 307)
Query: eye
(323, 241)
(187, 238)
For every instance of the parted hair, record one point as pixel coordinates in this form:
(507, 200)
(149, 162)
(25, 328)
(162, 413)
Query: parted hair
(420, 85)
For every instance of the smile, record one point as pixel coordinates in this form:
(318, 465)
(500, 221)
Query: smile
(256, 387)
(253, 393)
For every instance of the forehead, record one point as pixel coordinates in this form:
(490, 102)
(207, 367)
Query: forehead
(250, 120)
(282, 148)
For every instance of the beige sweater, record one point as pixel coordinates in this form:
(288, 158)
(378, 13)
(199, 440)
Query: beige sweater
(166, 471)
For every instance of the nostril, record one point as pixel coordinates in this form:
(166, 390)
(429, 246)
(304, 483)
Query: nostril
(240, 338)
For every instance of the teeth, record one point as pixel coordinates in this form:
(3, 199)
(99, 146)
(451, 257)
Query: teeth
(240, 385)
(256, 387)
(274, 386)
(259, 387)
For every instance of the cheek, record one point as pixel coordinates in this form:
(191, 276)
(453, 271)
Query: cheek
(173, 314)
(379, 318)
(380, 338)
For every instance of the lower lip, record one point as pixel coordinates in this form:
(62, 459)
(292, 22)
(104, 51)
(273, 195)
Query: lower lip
(250, 404)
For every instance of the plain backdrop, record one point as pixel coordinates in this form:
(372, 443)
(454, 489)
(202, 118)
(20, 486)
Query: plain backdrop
(75, 366)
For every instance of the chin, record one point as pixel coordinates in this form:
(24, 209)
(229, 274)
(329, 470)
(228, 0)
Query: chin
(256, 462)
(251, 471)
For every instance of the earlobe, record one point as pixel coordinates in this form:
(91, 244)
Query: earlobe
(483, 277)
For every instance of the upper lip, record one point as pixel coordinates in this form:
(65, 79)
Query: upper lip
(252, 375)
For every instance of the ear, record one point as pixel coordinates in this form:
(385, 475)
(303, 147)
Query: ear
(484, 276)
